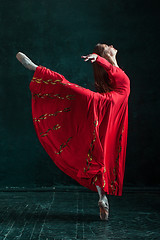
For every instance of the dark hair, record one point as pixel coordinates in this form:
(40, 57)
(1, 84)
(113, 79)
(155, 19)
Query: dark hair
(102, 82)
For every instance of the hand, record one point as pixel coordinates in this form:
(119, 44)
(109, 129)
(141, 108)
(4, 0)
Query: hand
(91, 57)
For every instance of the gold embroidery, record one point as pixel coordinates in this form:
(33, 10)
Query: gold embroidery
(35, 79)
(40, 95)
(49, 81)
(70, 97)
(96, 123)
(63, 146)
(104, 183)
(51, 114)
(72, 84)
(113, 186)
(93, 182)
(77, 86)
(39, 80)
(57, 126)
(89, 155)
(56, 81)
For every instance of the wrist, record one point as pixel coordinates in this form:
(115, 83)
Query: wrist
(96, 55)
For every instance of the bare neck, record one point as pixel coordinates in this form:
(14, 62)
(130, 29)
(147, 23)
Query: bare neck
(114, 60)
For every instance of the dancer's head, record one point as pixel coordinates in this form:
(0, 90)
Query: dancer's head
(106, 51)
(102, 81)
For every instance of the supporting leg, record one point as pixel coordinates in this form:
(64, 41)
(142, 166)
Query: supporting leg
(27, 63)
(103, 204)
(101, 193)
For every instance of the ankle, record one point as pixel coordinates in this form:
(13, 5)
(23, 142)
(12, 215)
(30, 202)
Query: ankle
(103, 197)
(29, 64)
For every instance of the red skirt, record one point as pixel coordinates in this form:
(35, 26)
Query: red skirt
(84, 132)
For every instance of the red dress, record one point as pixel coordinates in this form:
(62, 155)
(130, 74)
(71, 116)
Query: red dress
(84, 132)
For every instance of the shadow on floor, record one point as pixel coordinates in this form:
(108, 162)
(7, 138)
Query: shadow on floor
(75, 215)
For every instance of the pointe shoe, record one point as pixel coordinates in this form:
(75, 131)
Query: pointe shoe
(26, 61)
(104, 209)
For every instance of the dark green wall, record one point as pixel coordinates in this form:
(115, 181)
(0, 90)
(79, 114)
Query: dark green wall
(55, 34)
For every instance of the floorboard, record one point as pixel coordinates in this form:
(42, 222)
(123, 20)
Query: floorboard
(75, 215)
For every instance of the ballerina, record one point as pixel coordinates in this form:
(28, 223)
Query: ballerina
(84, 132)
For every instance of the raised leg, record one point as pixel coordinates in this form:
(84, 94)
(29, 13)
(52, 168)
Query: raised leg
(27, 63)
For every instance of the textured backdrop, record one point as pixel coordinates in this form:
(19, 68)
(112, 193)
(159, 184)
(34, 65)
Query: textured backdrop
(55, 34)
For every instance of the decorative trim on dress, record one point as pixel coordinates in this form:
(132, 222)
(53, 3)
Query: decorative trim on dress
(46, 115)
(49, 95)
(113, 186)
(89, 158)
(56, 127)
(63, 145)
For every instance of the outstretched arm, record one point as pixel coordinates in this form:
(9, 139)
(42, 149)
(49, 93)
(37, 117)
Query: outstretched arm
(91, 57)
(120, 79)
(100, 60)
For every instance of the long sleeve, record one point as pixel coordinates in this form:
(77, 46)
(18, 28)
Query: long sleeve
(104, 63)
(46, 81)
(44, 78)
(121, 82)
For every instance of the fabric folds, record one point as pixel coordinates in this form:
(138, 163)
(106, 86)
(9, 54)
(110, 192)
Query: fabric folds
(84, 132)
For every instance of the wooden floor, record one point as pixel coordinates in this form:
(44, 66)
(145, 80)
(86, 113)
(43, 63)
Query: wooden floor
(75, 215)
